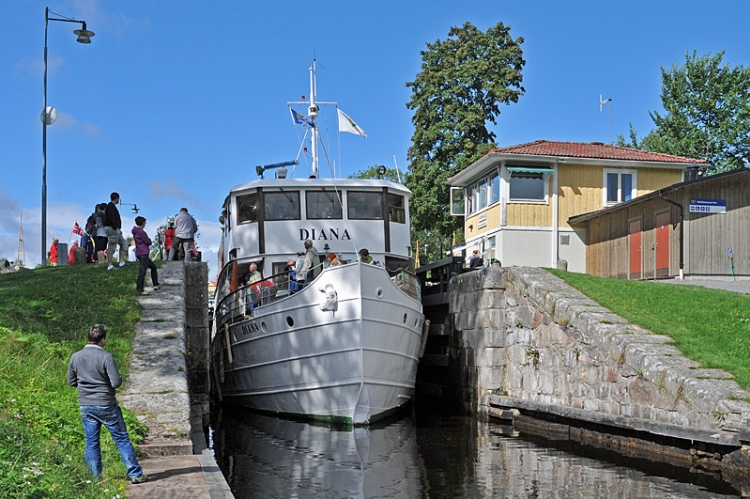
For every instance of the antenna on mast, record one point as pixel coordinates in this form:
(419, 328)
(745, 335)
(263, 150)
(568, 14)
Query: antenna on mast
(601, 103)
(398, 172)
(312, 115)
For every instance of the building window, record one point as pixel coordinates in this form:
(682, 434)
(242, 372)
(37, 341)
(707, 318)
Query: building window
(528, 187)
(619, 186)
(483, 193)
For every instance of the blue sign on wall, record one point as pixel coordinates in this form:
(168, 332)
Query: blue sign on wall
(708, 205)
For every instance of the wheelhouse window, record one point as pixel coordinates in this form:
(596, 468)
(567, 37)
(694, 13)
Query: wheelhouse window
(364, 205)
(247, 208)
(396, 211)
(619, 186)
(282, 205)
(323, 205)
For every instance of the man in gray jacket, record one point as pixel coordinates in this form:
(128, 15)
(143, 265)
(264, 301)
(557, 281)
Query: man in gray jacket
(94, 373)
(185, 228)
(311, 266)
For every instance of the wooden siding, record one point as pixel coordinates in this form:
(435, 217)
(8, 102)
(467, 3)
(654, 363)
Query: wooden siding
(707, 236)
(650, 180)
(493, 221)
(530, 215)
(579, 191)
(581, 188)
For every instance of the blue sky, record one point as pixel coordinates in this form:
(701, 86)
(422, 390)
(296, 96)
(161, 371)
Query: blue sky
(173, 103)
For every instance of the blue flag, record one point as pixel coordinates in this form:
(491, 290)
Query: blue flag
(301, 119)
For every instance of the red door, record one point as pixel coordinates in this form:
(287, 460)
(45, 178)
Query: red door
(662, 244)
(635, 249)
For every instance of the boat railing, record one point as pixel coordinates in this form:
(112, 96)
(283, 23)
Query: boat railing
(239, 304)
(407, 282)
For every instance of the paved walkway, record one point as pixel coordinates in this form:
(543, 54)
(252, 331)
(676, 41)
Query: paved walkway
(177, 465)
(728, 284)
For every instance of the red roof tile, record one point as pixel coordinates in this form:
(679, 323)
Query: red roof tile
(594, 150)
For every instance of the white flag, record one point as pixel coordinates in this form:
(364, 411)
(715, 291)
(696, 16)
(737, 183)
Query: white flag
(346, 124)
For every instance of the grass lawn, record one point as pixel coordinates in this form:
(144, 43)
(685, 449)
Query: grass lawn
(707, 325)
(44, 317)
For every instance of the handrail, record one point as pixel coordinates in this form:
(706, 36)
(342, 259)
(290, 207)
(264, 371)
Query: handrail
(238, 305)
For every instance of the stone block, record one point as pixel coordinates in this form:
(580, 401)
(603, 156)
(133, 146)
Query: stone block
(494, 356)
(705, 394)
(642, 392)
(590, 404)
(517, 355)
(546, 382)
(491, 298)
(530, 382)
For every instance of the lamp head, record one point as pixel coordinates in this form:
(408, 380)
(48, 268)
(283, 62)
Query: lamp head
(381, 171)
(259, 170)
(84, 35)
(135, 209)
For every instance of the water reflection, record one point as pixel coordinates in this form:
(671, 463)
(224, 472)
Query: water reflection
(262, 456)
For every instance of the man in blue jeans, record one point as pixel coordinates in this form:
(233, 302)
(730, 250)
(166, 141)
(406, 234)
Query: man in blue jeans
(95, 374)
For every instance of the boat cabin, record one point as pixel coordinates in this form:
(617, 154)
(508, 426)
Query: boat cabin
(266, 222)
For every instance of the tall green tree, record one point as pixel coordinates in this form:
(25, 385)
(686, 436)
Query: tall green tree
(462, 83)
(706, 113)
(372, 172)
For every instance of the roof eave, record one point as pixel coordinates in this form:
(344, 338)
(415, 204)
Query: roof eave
(479, 167)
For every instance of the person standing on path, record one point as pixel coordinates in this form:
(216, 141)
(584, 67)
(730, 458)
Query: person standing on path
(52, 253)
(168, 239)
(101, 234)
(142, 252)
(113, 228)
(94, 372)
(185, 228)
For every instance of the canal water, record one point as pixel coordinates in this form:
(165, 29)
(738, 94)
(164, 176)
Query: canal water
(424, 455)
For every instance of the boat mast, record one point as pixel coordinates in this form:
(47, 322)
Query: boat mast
(312, 115)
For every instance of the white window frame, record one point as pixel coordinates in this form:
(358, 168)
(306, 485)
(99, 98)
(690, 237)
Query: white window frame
(619, 172)
(472, 194)
(545, 177)
(456, 194)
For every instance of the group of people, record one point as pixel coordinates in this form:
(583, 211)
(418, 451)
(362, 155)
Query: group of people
(308, 265)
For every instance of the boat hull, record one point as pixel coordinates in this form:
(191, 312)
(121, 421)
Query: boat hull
(345, 348)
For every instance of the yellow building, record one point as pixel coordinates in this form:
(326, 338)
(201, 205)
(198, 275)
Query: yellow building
(517, 200)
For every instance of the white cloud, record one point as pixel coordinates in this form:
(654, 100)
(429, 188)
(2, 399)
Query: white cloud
(167, 188)
(30, 67)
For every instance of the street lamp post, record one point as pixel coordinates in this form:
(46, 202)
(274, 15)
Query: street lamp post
(134, 208)
(49, 114)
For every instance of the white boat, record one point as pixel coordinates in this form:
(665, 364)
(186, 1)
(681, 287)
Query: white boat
(345, 346)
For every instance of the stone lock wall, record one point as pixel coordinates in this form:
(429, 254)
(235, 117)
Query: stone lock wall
(522, 333)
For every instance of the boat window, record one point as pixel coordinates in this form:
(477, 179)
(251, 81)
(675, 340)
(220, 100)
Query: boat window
(282, 205)
(323, 205)
(364, 205)
(247, 208)
(396, 208)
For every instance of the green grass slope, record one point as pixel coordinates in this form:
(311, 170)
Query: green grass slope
(44, 317)
(710, 326)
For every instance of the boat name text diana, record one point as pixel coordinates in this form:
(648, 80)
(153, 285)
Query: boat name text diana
(322, 234)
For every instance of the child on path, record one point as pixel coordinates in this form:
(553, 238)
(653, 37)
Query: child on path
(142, 251)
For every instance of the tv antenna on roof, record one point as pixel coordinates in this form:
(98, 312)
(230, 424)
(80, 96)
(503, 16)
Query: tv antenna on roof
(601, 103)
